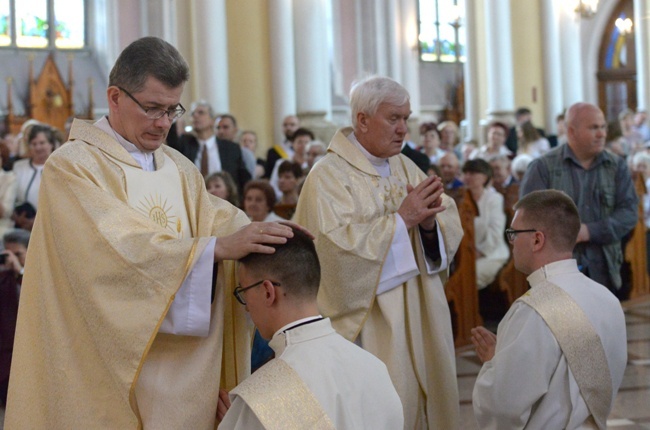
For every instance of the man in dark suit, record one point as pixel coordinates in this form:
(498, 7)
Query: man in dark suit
(420, 159)
(209, 153)
(290, 124)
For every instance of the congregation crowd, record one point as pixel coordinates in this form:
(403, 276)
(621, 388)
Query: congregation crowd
(384, 292)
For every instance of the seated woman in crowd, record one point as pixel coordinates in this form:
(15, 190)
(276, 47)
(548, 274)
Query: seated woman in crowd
(530, 141)
(430, 142)
(492, 251)
(290, 174)
(299, 140)
(259, 200)
(41, 143)
(221, 184)
(497, 133)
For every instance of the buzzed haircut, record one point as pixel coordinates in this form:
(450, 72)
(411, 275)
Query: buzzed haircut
(149, 56)
(294, 265)
(555, 214)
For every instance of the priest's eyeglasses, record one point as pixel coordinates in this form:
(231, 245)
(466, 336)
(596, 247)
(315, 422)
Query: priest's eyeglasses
(238, 293)
(511, 234)
(157, 113)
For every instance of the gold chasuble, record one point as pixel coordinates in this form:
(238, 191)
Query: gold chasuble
(109, 250)
(351, 210)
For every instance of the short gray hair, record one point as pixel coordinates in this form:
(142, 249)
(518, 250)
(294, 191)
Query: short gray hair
(205, 104)
(18, 236)
(367, 94)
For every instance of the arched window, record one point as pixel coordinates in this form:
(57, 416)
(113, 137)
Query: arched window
(44, 24)
(440, 36)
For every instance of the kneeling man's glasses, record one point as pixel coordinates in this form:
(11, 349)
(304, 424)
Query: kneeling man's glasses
(511, 234)
(239, 290)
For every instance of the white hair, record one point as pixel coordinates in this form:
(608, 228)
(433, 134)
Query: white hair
(520, 164)
(367, 94)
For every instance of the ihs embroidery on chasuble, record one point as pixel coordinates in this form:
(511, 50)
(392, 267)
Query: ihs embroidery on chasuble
(159, 210)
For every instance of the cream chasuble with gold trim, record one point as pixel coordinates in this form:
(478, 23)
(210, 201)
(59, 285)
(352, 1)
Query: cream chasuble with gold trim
(99, 280)
(351, 210)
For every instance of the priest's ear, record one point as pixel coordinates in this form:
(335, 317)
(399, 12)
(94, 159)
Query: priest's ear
(362, 122)
(113, 95)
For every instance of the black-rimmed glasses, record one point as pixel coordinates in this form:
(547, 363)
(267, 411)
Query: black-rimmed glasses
(157, 113)
(238, 293)
(511, 234)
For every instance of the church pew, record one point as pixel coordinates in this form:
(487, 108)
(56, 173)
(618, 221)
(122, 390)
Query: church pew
(509, 280)
(635, 252)
(460, 289)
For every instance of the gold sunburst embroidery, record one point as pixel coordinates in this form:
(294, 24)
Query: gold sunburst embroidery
(160, 212)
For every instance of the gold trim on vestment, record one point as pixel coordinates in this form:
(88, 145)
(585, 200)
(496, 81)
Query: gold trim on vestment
(579, 343)
(132, 400)
(281, 400)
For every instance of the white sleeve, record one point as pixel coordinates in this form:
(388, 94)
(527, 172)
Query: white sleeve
(189, 313)
(240, 417)
(518, 375)
(399, 265)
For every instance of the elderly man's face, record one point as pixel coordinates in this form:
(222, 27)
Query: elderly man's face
(449, 168)
(587, 132)
(500, 171)
(201, 119)
(382, 134)
(130, 119)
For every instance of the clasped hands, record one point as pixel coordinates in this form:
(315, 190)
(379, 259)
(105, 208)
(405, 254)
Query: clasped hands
(422, 203)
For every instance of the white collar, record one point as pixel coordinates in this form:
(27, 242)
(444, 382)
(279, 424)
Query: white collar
(144, 158)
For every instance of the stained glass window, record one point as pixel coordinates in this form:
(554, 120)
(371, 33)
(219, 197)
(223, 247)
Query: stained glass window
(5, 23)
(69, 24)
(30, 24)
(441, 35)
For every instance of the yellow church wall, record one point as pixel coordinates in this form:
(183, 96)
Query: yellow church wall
(528, 68)
(249, 69)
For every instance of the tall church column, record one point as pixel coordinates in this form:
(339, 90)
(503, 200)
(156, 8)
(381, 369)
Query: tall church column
(642, 42)
(283, 72)
(552, 62)
(312, 58)
(470, 70)
(210, 53)
(571, 56)
(409, 57)
(500, 83)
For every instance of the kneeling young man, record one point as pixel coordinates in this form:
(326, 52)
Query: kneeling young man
(318, 379)
(561, 349)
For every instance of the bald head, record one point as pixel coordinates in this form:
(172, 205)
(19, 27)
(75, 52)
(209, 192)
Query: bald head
(449, 167)
(586, 131)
